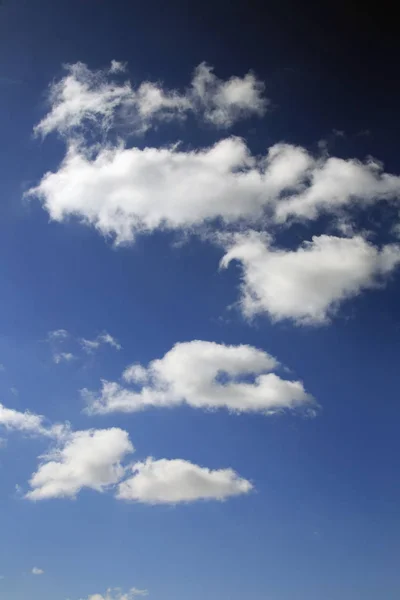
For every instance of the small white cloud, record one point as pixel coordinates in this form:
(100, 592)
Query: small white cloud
(63, 357)
(3, 442)
(118, 594)
(307, 284)
(174, 481)
(84, 96)
(85, 459)
(14, 391)
(2, 368)
(222, 103)
(37, 571)
(57, 335)
(103, 339)
(203, 375)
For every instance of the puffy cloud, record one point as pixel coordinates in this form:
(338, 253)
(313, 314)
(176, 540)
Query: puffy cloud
(85, 459)
(104, 338)
(94, 98)
(37, 571)
(224, 102)
(27, 422)
(307, 284)
(117, 594)
(203, 375)
(173, 481)
(123, 191)
(333, 183)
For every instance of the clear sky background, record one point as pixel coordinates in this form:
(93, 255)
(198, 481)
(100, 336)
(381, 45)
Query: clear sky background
(311, 511)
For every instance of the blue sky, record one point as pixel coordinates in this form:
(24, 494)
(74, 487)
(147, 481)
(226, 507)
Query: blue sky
(235, 239)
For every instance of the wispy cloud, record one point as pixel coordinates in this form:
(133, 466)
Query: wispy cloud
(103, 339)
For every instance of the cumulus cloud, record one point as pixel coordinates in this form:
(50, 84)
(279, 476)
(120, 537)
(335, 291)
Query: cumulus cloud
(118, 594)
(123, 191)
(37, 571)
(334, 183)
(224, 102)
(203, 375)
(97, 99)
(27, 422)
(102, 339)
(86, 459)
(174, 481)
(307, 284)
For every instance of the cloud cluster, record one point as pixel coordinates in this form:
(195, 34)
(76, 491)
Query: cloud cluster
(96, 99)
(59, 338)
(96, 459)
(37, 571)
(203, 375)
(308, 283)
(123, 190)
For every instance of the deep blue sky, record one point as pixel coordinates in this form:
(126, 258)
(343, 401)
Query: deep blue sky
(323, 522)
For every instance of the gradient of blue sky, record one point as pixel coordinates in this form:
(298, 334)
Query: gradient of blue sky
(323, 519)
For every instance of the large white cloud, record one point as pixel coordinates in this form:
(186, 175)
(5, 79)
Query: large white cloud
(122, 191)
(307, 284)
(86, 459)
(173, 481)
(96, 99)
(203, 375)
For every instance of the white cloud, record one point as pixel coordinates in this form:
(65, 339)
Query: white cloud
(173, 481)
(124, 191)
(104, 338)
(224, 102)
(203, 375)
(37, 571)
(307, 284)
(59, 357)
(334, 183)
(85, 459)
(2, 368)
(94, 98)
(57, 335)
(118, 594)
(27, 422)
